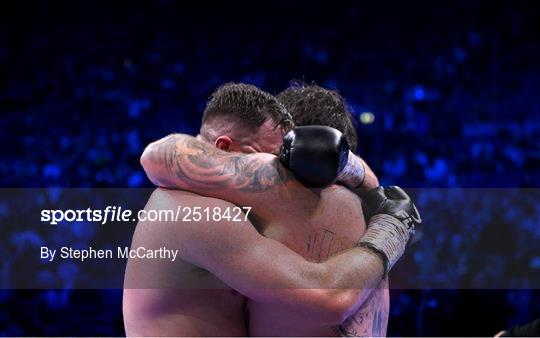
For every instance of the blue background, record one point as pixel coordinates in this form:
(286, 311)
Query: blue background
(454, 90)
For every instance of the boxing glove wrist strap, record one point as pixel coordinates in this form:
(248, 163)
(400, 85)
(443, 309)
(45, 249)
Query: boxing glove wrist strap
(388, 236)
(352, 175)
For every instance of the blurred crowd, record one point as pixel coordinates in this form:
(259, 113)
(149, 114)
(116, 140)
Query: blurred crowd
(443, 97)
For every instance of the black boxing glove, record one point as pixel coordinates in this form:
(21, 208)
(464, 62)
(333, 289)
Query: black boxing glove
(371, 200)
(315, 154)
(392, 225)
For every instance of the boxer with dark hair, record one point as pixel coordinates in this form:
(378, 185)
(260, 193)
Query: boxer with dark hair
(315, 105)
(288, 295)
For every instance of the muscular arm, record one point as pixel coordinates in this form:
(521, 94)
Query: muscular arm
(266, 270)
(258, 180)
(182, 161)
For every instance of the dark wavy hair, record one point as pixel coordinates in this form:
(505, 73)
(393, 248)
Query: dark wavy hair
(312, 104)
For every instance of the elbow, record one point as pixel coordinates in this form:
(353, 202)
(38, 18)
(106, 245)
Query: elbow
(370, 181)
(145, 158)
(338, 304)
(376, 181)
(148, 164)
(373, 180)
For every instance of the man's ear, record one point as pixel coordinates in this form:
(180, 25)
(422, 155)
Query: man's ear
(223, 143)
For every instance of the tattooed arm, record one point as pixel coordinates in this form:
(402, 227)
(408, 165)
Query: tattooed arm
(183, 162)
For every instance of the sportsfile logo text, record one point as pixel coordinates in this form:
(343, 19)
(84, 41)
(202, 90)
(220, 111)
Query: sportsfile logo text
(119, 214)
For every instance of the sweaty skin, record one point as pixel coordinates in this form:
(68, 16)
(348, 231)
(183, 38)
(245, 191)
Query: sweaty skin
(177, 298)
(315, 224)
(164, 298)
(336, 225)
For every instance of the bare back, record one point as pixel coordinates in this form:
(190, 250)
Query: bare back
(334, 225)
(177, 298)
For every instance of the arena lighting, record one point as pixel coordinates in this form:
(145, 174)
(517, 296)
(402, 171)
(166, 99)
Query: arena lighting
(419, 93)
(90, 242)
(367, 118)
